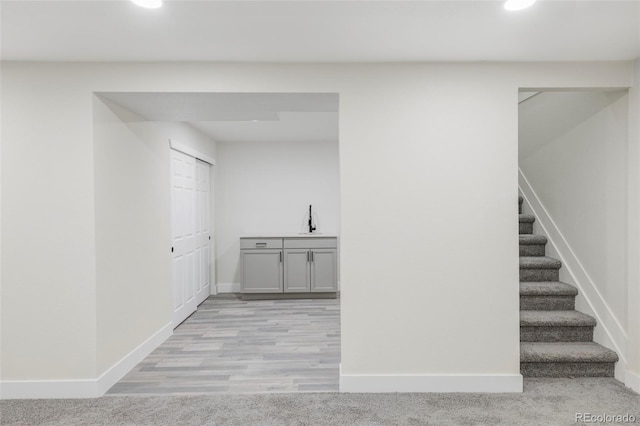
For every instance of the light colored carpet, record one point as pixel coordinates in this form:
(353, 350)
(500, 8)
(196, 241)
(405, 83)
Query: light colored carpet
(544, 402)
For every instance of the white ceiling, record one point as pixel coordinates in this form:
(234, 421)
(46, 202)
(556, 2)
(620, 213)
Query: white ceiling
(241, 117)
(320, 31)
(305, 31)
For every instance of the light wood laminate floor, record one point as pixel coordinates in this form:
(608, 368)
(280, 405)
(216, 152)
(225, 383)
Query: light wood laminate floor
(234, 346)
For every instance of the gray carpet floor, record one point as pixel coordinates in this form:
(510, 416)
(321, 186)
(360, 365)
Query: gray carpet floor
(543, 402)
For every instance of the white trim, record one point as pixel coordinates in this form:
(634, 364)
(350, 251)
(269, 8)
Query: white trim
(382, 383)
(84, 388)
(632, 380)
(614, 336)
(185, 149)
(126, 364)
(42, 389)
(228, 288)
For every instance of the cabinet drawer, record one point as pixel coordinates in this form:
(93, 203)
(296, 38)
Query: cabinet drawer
(260, 243)
(311, 243)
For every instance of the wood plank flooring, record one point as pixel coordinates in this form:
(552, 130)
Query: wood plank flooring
(235, 346)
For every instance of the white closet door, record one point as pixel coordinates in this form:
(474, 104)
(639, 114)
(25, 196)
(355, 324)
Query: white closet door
(203, 232)
(183, 200)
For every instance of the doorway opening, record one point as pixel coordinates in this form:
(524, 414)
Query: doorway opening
(575, 178)
(268, 156)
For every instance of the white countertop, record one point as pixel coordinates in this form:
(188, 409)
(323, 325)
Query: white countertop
(301, 235)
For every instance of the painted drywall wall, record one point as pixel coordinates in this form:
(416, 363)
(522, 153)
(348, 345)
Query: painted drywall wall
(266, 188)
(633, 297)
(573, 152)
(48, 275)
(133, 226)
(420, 290)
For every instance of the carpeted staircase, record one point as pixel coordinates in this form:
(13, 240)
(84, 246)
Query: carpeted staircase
(555, 339)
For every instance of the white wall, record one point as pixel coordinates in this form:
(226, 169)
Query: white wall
(133, 227)
(573, 150)
(428, 182)
(267, 188)
(633, 297)
(48, 274)
(574, 154)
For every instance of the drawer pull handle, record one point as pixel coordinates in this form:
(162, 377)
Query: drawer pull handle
(312, 256)
(261, 245)
(280, 257)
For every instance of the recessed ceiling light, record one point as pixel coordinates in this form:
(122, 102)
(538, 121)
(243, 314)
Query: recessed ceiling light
(518, 4)
(149, 4)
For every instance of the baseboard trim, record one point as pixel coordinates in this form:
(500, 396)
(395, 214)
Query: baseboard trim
(122, 367)
(84, 388)
(632, 380)
(228, 287)
(609, 332)
(383, 383)
(48, 389)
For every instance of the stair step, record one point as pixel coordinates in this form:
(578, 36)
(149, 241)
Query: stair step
(526, 218)
(547, 288)
(532, 245)
(556, 319)
(565, 352)
(539, 268)
(561, 359)
(539, 262)
(556, 326)
(526, 223)
(532, 239)
(547, 296)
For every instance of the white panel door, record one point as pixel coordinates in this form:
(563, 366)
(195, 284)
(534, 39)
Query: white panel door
(183, 229)
(203, 231)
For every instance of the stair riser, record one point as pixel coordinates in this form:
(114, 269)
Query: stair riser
(556, 334)
(567, 369)
(526, 228)
(547, 303)
(539, 275)
(532, 250)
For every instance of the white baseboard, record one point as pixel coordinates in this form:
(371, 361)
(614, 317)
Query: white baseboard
(84, 388)
(632, 380)
(383, 383)
(228, 287)
(122, 367)
(608, 332)
(47, 389)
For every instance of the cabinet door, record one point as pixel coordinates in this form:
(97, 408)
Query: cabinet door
(296, 270)
(324, 270)
(261, 271)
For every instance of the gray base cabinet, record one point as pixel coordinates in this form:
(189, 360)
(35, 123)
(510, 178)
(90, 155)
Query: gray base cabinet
(261, 266)
(289, 265)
